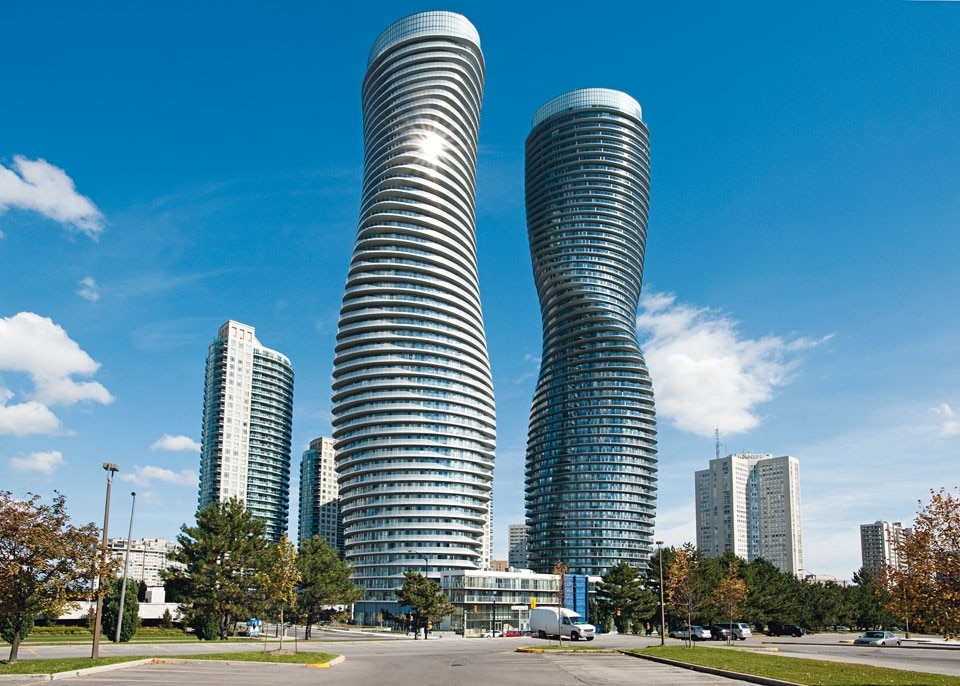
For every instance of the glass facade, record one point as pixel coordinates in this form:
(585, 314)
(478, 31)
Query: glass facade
(591, 467)
(247, 424)
(414, 421)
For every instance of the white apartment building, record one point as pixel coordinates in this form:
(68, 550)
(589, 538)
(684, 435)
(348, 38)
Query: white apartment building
(148, 557)
(878, 544)
(320, 494)
(749, 504)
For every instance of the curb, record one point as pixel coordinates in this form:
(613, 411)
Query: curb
(323, 665)
(77, 672)
(750, 678)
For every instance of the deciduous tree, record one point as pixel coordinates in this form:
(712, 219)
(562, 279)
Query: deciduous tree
(926, 584)
(277, 581)
(684, 593)
(46, 563)
(730, 595)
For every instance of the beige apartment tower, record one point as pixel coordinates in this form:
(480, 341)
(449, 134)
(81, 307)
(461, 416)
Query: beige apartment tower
(749, 504)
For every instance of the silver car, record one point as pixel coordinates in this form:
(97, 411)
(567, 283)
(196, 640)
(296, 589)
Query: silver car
(877, 638)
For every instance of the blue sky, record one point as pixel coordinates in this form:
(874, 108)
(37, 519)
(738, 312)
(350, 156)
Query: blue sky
(168, 167)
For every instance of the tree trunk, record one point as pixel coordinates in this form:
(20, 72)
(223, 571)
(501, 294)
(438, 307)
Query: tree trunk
(14, 648)
(281, 628)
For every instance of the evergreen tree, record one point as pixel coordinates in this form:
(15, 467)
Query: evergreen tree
(222, 554)
(623, 594)
(324, 580)
(427, 601)
(110, 613)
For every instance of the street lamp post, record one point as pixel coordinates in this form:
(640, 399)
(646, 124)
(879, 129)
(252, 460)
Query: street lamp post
(663, 622)
(126, 562)
(111, 469)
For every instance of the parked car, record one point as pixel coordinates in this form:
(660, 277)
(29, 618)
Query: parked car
(719, 632)
(513, 633)
(840, 627)
(733, 630)
(491, 633)
(877, 638)
(778, 629)
(696, 633)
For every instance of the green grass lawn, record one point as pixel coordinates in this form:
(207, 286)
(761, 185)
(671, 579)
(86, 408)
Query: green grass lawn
(798, 670)
(52, 666)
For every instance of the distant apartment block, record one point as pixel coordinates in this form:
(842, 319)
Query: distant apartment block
(878, 544)
(148, 557)
(517, 550)
(749, 504)
(499, 565)
(320, 494)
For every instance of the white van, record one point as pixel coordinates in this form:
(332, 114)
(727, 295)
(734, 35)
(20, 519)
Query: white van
(548, 621)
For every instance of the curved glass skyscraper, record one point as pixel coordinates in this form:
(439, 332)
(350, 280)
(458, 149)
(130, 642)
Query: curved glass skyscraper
(413, 408)
(591, 472)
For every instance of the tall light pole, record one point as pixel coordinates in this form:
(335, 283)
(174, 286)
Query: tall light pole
(663, 614)
(126, 562)
(111, 469)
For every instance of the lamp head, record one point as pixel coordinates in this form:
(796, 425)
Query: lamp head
(111, 467)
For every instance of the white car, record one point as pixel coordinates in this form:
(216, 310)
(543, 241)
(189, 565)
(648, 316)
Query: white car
(877, 638)
(696, 633)
(493, 633)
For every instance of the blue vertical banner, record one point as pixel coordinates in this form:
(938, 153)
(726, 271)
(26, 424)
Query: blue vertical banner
(575, 595)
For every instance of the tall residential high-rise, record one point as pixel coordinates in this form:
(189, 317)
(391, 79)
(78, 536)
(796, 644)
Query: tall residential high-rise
(320, 494)
(591, 469)
(414, 421)
(878, 544)
(517, 546)
(247, 422)
(749, 504)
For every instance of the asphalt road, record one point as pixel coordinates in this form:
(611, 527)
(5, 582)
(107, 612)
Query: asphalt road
(452, 661)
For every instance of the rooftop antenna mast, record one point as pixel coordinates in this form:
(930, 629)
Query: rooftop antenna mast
(716, 436)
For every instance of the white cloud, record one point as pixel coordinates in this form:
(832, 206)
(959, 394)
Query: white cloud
(168, 442)
(39, 186)
(950, 425)
(143, 476)
(25, 418)
(88, 289)
(35, 346)
(42, 462)
(705, 375)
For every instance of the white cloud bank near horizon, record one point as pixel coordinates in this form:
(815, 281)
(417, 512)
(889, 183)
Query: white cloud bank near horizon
(706, 374)
(38, 186)
(36, 346)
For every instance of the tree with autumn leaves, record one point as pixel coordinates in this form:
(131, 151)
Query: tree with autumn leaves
(46, 563)
(924, 587)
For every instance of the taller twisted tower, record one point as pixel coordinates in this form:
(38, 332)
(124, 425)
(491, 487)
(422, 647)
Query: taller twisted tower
(591, 471)
(413, 407)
